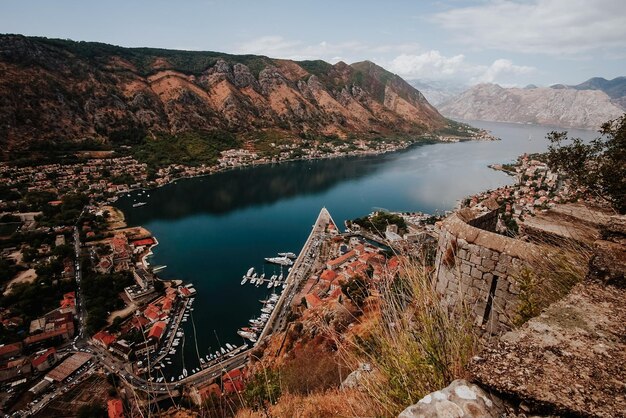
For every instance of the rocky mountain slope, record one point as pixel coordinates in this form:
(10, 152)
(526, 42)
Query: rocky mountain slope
(561, 106)
(56, 90)
(438, 92)
(615, 89)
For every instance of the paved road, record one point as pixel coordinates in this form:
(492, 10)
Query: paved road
(303, 264)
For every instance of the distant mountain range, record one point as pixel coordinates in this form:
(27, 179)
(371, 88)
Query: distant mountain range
(586, 105)
(437, 91)
(60, 90)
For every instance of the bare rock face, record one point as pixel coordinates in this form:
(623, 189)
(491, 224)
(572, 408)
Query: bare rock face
(59, 90)
(562, 107)
(459, 400)
(567, 361)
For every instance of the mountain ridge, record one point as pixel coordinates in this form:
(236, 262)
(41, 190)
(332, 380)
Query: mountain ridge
(55, 89)
(583, 107)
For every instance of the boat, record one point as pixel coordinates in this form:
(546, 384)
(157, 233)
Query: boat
(172, 379)
(250, 271)
(202, 360)
(230, 347)
(288, 255)
(258, 282)
(223, 350)
(280, 278)
(262, 277)
(255, 275)
(248, 335)
(208, 358)
(244, 280)
(138, 204)
(185, 372)
(270, 284)
(276, 283)
(283, 261)
(266, 310)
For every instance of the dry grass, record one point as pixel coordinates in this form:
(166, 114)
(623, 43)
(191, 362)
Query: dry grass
(416, 347)
(550, 276)
(332, 403)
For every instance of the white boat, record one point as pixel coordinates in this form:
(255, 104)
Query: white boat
(288, 255)
(230, 347)
(255, 275)
(172, 379)
(262, 277)
(280, 278)
(259, 282)
(244, 280)
(276, 283)
(270, 284)
(266, 310)
(185, 372)
(138, 204)
(250, 271)
(283, 261)
(248, 335)
(223, 350)
(208, 358)
(202, 360)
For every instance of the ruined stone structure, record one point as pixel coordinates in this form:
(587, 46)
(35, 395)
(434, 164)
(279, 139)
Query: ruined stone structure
(478, 267)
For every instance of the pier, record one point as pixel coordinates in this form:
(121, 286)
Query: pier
(299, 271)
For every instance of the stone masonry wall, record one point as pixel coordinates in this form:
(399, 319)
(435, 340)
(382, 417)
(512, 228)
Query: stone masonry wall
(479, 267)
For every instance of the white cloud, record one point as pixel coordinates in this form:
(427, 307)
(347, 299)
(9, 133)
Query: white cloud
(501, 67)
(279, 47)
(562, 27)
(432, 65)
(428, 65)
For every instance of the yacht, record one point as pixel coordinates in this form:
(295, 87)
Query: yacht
(185, 372)
(288, 255)
(248, 335)
(244, 280)
(230, 347)
(283, 261)
(138, 204)
(250, 271)
(270, 283)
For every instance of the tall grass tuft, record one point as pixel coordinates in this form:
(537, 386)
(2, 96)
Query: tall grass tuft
(417, 346)
(550, 276)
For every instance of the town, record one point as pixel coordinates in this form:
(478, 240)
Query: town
(74, 247)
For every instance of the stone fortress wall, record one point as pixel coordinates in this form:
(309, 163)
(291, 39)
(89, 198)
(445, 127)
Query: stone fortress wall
(478, 267)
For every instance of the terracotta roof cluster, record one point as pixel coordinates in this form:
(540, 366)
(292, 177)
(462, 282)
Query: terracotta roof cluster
(157, 330)
(115, 408)
(104, 338)
(41, 358)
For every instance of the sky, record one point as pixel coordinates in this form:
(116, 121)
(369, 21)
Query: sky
(510, 42)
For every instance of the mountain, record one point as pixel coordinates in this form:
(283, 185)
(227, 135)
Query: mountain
(559, 106)
(436, 91)
(615, 89)
(53, 91)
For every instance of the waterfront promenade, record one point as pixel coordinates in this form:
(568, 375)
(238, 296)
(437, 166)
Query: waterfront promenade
(299, 271)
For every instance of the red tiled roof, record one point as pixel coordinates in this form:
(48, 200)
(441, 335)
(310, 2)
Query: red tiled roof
(157, 330)
(115, 408)
(312, 300)
(328, 275)
(146, 241)
(340, 260)
(10, 348)
(104, 337)
(43, 357)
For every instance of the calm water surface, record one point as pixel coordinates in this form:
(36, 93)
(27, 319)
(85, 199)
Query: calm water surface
(212, 229)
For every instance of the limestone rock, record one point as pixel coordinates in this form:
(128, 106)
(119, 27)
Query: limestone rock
(459, 399)
(567, 108)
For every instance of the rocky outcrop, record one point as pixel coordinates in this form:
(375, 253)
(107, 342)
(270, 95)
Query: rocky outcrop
(568, 361)
(561, 107)
(459, 400)
(54, 91)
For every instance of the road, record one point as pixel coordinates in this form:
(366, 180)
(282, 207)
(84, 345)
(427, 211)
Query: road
(302, 266)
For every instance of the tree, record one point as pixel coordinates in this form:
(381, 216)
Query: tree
(356, 289)
(599, 166)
